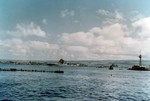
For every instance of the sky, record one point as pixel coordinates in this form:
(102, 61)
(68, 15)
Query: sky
(74, 29)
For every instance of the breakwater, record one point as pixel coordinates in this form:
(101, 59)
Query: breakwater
(25, 70)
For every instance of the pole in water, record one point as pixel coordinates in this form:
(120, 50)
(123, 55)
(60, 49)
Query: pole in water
(140, 62)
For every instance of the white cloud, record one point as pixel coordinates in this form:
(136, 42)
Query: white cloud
(118, 15)
(78, 38)
(142, 27)
(79, 49)
(111, 41)
(77, 22)
(27, 30)
(108, 42)
(111, 32)
(19, 49)
(67, 12)
(44, 21)
(103, 12)
(14, 47)
(136, 15)
(97, 43)
(110, 17)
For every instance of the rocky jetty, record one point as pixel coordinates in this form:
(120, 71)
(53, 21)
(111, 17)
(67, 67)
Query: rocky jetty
(139, 67)
(19, 62)
(24, 70)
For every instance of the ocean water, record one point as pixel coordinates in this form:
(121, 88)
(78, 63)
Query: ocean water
(77, 83)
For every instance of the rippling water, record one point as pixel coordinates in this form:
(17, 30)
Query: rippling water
(76, 84)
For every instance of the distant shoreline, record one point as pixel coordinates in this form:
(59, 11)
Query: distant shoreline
(43, 63)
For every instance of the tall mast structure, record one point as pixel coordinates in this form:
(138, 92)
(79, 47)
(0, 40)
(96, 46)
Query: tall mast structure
(140, 62)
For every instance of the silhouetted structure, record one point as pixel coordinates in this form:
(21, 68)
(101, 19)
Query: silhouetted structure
(61, 61)
(140, 62)
(111, 67)
(139, 67)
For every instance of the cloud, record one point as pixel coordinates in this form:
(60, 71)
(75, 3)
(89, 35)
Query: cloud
(66, 12)
(79, 49)
(27, 30)
(103, 12)
(110, 17)
(78, 22)
(111, 32)
(13, 47)
(142, 27)
(44, 21)
(118, 15)
(99, 43)
(19, 49)
(136, 15)
(108, 42)
(78, 38)
(114, 40)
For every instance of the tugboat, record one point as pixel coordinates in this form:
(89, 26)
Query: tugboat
(139, 67)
